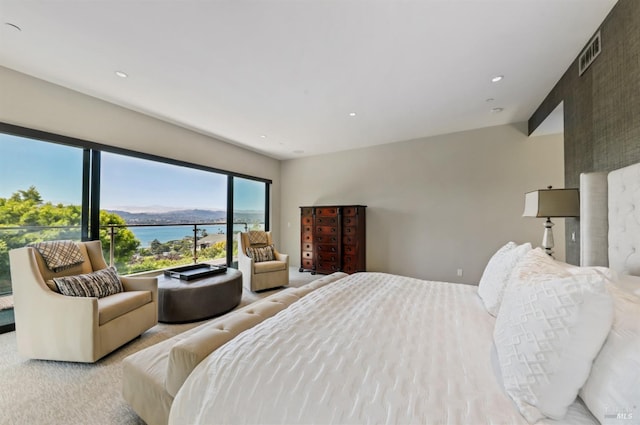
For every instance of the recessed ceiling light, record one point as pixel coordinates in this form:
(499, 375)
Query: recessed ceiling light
(263, 136)
(496, 110)
(490, 99)
(352, 114)
(497, 78)
(121, 74)
(14, 26)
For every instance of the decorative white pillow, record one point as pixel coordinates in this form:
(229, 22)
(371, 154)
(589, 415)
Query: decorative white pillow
(496, 274)
(538, 263)
(612, 390)
(548, 331)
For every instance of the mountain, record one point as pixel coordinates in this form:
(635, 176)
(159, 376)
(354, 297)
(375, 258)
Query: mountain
(153, 209)
(186, 216)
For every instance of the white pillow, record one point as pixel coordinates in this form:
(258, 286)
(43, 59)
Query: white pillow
(612, 390)
(496, 274)
(630, 284)
(536, 262)
(548, 331)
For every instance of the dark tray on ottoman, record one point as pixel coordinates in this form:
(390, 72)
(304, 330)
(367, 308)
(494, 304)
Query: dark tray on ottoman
(194, 271)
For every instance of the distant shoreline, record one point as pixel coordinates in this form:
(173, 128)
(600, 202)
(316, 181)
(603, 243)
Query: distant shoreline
(146, 235)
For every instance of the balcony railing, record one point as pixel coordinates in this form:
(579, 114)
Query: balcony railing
(74, 233)
(112, 231)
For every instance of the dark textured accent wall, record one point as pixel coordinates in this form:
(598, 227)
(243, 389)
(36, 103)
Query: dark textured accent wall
(601, 107)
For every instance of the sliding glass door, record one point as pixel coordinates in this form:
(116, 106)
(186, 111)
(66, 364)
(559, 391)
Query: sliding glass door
(250, 208)
(41, 198)
(157, 215)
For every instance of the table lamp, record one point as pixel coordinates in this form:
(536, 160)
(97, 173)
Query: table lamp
(551, 203)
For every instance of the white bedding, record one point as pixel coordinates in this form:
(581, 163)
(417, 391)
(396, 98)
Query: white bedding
(368, 348)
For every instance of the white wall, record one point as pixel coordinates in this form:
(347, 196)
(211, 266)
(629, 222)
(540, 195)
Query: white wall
(36, 104)
(435, 204)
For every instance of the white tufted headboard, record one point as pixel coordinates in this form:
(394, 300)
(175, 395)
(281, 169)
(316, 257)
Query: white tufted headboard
(610, 219)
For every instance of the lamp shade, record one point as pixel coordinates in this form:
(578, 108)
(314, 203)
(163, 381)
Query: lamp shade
(552, 203)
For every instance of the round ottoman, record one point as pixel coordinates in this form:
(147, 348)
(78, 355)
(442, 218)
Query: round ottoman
(192, 300)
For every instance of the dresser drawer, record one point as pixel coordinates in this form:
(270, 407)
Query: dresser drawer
(306, 211)
(349, 268)
(327, 257)
(326, 248)
(327, 239)
(326, 266)
(306, 237)
(307, 247)
(326, 230)
(350, 249)
(307, 255)
(349, 240)
(327, 221)
(327, 212)
(349, 231)
(350, 221)
(307, 264)
(349, 259)
(349, 211)
(307, 221)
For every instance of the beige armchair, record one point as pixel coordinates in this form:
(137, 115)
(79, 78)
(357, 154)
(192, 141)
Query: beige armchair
(257, 276)
(52, 326)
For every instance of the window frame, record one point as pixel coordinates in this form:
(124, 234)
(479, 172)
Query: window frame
(91, 177)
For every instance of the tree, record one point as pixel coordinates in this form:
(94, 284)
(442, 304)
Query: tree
(26, 208)
(125, 242)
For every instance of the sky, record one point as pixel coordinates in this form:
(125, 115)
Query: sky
(56, 171)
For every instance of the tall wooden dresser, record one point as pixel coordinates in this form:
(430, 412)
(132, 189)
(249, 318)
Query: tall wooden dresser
(333, 239)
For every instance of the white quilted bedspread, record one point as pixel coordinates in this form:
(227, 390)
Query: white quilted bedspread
(369, 348)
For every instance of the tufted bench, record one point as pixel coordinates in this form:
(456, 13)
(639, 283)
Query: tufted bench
(152, 377)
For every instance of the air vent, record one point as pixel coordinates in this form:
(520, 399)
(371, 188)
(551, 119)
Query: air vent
(589, 54)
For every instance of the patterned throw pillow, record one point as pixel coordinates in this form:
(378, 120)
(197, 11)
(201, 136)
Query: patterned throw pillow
(98, 284)
(257, 237)
(59, 255)
(261, 254)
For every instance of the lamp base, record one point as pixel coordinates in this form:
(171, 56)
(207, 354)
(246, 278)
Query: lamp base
(547, 238)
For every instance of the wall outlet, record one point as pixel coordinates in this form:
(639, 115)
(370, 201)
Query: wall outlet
(459, 272)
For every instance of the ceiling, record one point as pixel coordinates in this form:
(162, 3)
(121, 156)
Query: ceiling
(282, 77)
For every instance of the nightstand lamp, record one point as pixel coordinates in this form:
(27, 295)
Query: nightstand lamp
(551, 203)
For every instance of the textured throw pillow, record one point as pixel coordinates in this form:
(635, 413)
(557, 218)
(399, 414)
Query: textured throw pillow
(496, 274)
(261, 254)
(540, 265)
(548, 331)
(52, 285)
(257, 237)
(612, 390)
(97, 284)
(59, 255)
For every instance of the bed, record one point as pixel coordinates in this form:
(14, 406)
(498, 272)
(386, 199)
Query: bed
(380, 348)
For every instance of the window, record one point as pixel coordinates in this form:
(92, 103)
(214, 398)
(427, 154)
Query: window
(149, 212)
(40, 199)
(155, 210)
(249, 208)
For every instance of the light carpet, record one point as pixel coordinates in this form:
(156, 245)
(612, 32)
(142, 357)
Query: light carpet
(38, 392)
